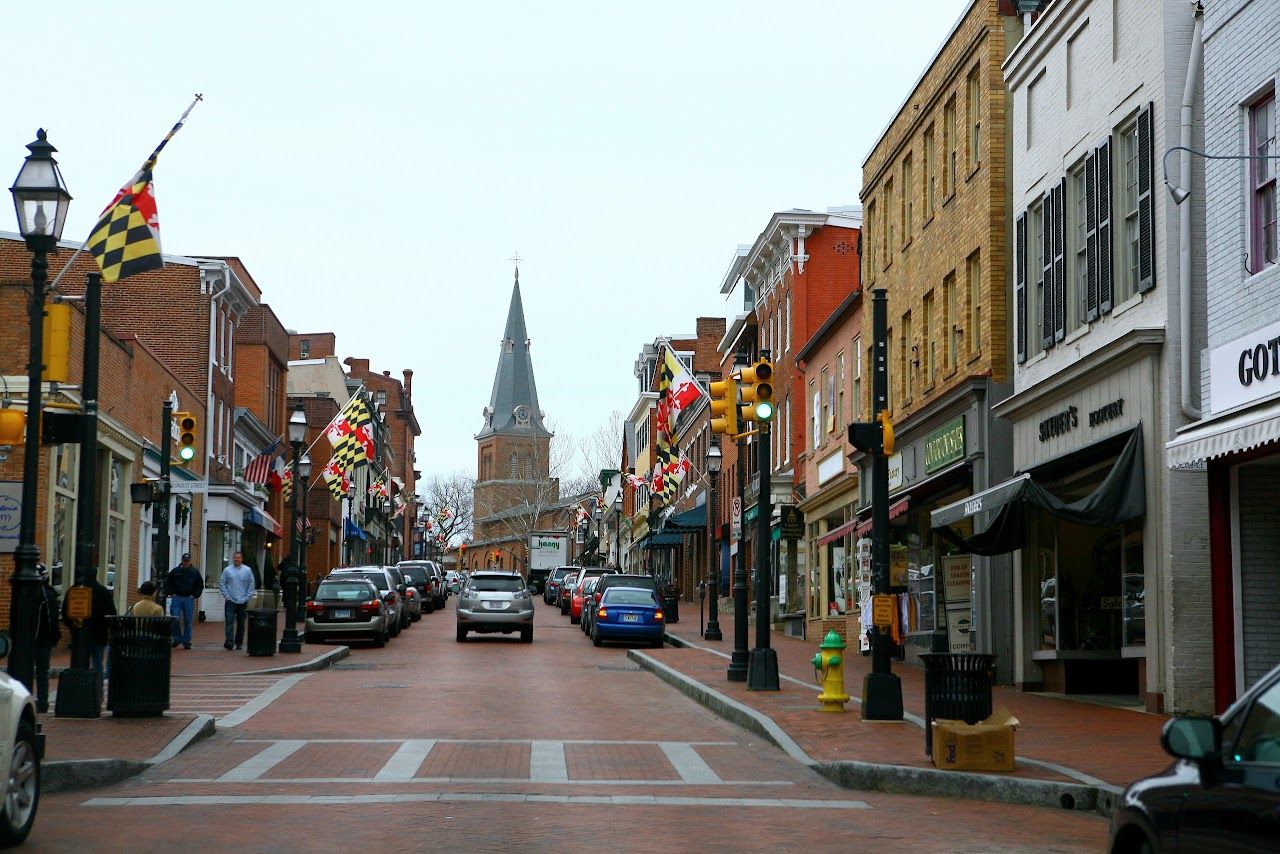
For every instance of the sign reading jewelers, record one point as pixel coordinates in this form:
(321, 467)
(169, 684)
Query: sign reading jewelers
(944, 445)
(1245, 369)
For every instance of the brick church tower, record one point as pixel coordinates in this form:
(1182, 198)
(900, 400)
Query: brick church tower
(513, 484)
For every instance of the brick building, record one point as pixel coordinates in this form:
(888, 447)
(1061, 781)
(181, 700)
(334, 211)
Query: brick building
(134, 382)
(936, 238)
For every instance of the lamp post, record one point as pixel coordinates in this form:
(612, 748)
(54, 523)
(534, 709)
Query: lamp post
(714, 460)
(291, 642)
(41, 200)
(597, 515)
(617, 530)
(304, 471)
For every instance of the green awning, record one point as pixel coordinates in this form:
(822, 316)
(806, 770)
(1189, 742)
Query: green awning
(663, 540)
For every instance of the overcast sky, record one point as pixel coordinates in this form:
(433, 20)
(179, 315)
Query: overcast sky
(375, 165)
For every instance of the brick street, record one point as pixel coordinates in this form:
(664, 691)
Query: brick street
(494, 744)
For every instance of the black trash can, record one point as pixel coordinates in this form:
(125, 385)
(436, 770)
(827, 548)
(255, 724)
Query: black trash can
(671, 604)
(139, 663)
(957, 686)
(262, 631)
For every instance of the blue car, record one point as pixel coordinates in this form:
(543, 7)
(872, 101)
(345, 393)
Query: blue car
(628, 614)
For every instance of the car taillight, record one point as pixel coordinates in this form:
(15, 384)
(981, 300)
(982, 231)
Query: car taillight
(370, 607)
(598, 595)
(315, 608)
(602, 614)
(657, 616)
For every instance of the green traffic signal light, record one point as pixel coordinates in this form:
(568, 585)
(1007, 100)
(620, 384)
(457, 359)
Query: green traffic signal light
(763, 411)
(187, 453)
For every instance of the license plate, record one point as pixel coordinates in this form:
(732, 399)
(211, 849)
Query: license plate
(342, 614)
(630, 618)
(495, 606)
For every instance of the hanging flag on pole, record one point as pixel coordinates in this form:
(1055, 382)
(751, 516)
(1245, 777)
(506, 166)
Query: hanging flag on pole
(351, 434)
(126, 239)
(259, 468)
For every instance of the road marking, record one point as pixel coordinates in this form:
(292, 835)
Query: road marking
(485, 781)
(260, 702)
(691, 767)
(255, 766)
(487, 741)
(547, 762)
(404, 763)
(472, 797)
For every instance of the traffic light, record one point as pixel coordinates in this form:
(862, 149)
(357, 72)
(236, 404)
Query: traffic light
(724, 407)
(873, 437)
(757, 392)
(186, 422)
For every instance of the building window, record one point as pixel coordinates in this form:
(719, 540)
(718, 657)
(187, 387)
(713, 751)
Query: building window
(825, 390)
(949, 144)
(950, 319)
(973, 276)
(118, 509)
(830, 401)
(380, 397)
(786, 323)
(1262, 199)
(909, 360)
(304, 348)
(930, 191)
(1035, 279)
(273, 399)
(926, 329)
(515, 467)
(974, 108)
(816, 417)
(528, 468)
(1077, 229)
(908, 213)
(1129, 232)
(840, 389)
(786, 432)
(889, 353)
(856, 414)
(869, 239)
(62, 541)
(889, 245)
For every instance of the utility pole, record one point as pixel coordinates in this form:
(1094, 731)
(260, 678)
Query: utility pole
(762, 667)
(738, 660)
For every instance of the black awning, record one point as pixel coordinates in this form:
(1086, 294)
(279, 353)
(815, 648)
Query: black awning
(689, 520)
(1119, 498)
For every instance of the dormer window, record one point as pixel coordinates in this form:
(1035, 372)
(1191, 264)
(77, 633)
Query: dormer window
(380, 397)
(509, 345)
(304, 348)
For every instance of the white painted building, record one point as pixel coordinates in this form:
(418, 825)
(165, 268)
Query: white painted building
(1110, 548)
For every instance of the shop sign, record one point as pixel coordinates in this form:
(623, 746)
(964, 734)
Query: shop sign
(944, 446)
(79, 603)
(830, 467)
(1107, 412)
(882, 611)
(792, 522)
(10, 515)
(750, 515)
(1245, 369)
(1059, 423)
(956, 579)
(895, 471)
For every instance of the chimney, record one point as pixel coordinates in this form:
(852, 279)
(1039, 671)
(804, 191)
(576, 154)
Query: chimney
(408, 383)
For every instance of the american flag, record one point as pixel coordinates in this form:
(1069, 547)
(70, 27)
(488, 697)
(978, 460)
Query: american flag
(259, 468)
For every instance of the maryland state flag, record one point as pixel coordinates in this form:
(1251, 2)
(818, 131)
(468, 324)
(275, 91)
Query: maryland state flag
(336, 479)
(351, 434)
(126, 239)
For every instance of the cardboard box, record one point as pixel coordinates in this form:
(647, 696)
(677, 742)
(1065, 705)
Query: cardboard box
(984, 746)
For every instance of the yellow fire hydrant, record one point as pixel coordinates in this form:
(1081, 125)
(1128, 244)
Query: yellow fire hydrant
(829, 664)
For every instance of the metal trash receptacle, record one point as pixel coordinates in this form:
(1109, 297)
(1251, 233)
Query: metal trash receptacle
(262, 631)
(139, 663)
(671, 604)
(957, 686)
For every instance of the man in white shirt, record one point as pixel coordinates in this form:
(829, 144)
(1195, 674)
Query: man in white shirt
(237, 585)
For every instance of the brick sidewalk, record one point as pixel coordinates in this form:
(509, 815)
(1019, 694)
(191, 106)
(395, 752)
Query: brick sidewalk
(110, 737)
(1115, 745)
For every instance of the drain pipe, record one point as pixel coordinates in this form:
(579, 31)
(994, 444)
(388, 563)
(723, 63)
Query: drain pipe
(1194, 65)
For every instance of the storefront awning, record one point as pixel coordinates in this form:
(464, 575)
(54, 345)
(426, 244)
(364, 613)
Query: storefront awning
(663, 540)
(896, 509)
(1119, 498)
(837, 532)
(263, 519)
(1216, 437)
(689, 520)
(353, 531)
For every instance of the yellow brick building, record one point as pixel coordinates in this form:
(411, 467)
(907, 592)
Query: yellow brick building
(936, 238)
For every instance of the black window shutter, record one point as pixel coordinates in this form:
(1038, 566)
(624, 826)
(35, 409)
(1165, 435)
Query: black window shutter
(1105, 279)
(1046, 271)
(1020, 287)
(1059, 261)
(1091, 237)
(1146, 203)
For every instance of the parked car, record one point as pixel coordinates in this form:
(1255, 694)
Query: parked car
(454, 579)
(551, 592)
(618, 579)
(418, 575)
(495, 601)
(1223, 791)
(566, 591)
(346, 607)
(576, 599)
(391, 588)
(588, 594)
(629, 614)
(21, 750)
(412, 602)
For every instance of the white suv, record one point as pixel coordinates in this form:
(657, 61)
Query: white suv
(21, 748)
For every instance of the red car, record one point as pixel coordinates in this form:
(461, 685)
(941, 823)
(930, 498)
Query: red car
(576, 597)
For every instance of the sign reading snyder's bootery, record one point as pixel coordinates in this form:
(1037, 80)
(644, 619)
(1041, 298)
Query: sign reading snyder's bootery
(1245, 369)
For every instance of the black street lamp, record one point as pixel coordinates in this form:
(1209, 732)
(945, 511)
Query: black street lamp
(41, 200)
(617, 529)
(597, 515)
(304, 471)
(714, 460)
(291, 642)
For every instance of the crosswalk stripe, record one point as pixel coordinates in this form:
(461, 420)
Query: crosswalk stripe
(257, 765)
(471, 797)
(547, 762)
(691, 767)
(404, 763)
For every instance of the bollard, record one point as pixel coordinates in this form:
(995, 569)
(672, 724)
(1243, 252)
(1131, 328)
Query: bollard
(829, 666)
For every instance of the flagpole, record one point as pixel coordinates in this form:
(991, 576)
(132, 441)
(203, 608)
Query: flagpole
(150, 160)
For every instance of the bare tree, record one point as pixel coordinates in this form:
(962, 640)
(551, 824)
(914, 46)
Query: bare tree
(448, 504)
(602, 447)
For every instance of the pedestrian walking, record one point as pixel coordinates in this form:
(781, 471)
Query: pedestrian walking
(47, 636)
(183, 584)
(237, 585)
(147, 606)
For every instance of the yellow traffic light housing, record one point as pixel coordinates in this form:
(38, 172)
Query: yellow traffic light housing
(187, 425)
(757, 392)
(886, 433)
(724, 407)
(57, 343)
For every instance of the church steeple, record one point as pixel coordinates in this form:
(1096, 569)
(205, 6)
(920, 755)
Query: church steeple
(513, 406)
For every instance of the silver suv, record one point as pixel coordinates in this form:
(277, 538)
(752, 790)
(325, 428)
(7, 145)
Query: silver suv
(390, 586)
(495, 602)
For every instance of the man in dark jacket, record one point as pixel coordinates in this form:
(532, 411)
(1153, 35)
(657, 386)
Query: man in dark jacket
(47, 636)
(184, 584)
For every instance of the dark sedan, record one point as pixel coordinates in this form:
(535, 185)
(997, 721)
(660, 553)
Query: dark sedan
(1222, 793)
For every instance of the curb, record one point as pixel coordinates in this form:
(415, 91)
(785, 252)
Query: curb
(67, 775)
(894, 779)
(320, 662)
